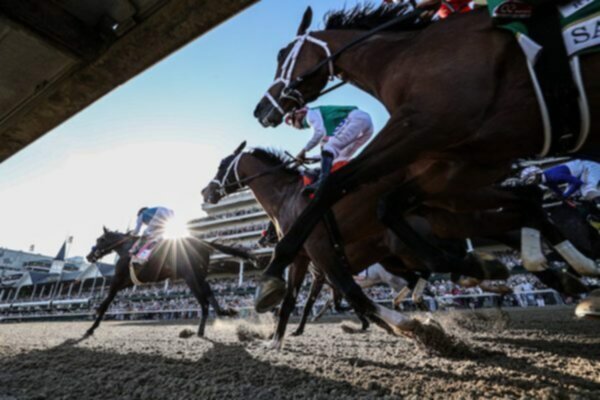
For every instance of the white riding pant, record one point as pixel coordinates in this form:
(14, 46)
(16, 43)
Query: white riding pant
(590, 178)
(350, 136)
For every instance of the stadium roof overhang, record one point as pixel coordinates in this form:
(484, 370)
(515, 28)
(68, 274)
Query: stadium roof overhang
(59, 56)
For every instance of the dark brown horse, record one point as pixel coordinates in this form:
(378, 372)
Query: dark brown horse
(185, 258)
(459, 111)
(278, 188)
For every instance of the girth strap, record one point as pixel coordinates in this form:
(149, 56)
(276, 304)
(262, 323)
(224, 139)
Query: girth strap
(336, 238)
(556, 78)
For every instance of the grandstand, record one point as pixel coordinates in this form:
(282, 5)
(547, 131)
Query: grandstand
(237, 219)
(62, 290)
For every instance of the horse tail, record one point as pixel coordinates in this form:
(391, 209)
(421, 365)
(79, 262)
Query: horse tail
(240, 252)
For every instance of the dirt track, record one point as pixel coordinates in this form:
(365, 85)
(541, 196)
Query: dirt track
(537, 354)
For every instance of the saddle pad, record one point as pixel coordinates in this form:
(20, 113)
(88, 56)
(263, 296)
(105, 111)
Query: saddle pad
(309, 179)
(145, 252)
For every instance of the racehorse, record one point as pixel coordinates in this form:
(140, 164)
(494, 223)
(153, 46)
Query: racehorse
(464, 139)
(184, 258)
(278, 188)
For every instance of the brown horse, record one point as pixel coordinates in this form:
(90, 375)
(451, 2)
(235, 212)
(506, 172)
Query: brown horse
(278, 188)
(186, 258)
(464, 139)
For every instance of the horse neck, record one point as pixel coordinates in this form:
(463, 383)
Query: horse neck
(365, 65)
(271, 190)
(123, 249)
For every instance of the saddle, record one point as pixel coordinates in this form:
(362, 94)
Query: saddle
(309, 176)
(552, 37)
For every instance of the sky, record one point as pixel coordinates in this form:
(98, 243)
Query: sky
(158, 139)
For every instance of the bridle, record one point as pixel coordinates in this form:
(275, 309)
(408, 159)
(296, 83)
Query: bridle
(290, 90)
(287, 69)
(223, 183)
(98, 254)
(232, 170)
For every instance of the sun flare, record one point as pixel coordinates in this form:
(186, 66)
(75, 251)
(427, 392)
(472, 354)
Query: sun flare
(176, 229)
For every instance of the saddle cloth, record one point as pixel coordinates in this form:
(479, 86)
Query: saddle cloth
(555, 71)
(142, 255)
(580, 22)
(312, 175)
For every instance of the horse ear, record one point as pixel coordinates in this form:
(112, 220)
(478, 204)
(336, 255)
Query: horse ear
(105, 230)
(306, 21)
(240, 148)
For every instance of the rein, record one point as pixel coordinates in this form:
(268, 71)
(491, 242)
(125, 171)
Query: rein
(290, 90)
(113, 246)
(233, 166)
(401, 18)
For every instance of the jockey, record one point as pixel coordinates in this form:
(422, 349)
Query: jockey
(155, 219)
(580, 175)
(341, 130)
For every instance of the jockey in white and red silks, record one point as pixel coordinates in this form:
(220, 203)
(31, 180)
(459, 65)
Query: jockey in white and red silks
(446, 7)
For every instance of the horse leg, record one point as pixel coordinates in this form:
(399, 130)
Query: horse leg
(297, 273)
(337, 299)
(391, 211)
(116, 285)
(201, 326)
(315, 289)
(326, 259)
(199, 290)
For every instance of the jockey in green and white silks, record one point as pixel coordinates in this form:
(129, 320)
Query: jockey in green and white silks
(341, 131)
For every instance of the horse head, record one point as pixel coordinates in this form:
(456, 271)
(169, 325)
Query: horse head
(302, 58)
(106, 243)
(226, 181)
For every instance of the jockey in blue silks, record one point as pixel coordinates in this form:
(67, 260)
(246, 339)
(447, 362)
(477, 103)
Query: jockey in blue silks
(581, 176)
(155, 219)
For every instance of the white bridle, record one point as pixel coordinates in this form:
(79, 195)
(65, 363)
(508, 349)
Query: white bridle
(288, 66)
(233, 166)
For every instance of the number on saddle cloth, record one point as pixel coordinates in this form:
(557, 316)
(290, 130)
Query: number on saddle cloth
(562, 31)
(142, 255)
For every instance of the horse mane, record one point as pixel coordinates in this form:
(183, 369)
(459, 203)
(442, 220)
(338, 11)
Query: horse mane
(368, 16)
(275, 158)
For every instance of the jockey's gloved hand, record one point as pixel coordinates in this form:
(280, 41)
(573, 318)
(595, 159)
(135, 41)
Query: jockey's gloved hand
(301, 156)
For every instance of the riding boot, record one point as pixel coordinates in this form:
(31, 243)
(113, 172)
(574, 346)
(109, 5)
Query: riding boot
(326, 164)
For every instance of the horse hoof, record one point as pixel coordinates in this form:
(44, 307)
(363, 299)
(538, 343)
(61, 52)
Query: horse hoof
(589, 308)
(275, 345)
(297, 333)
(269, 293)
(571, 284)
(485, 267)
